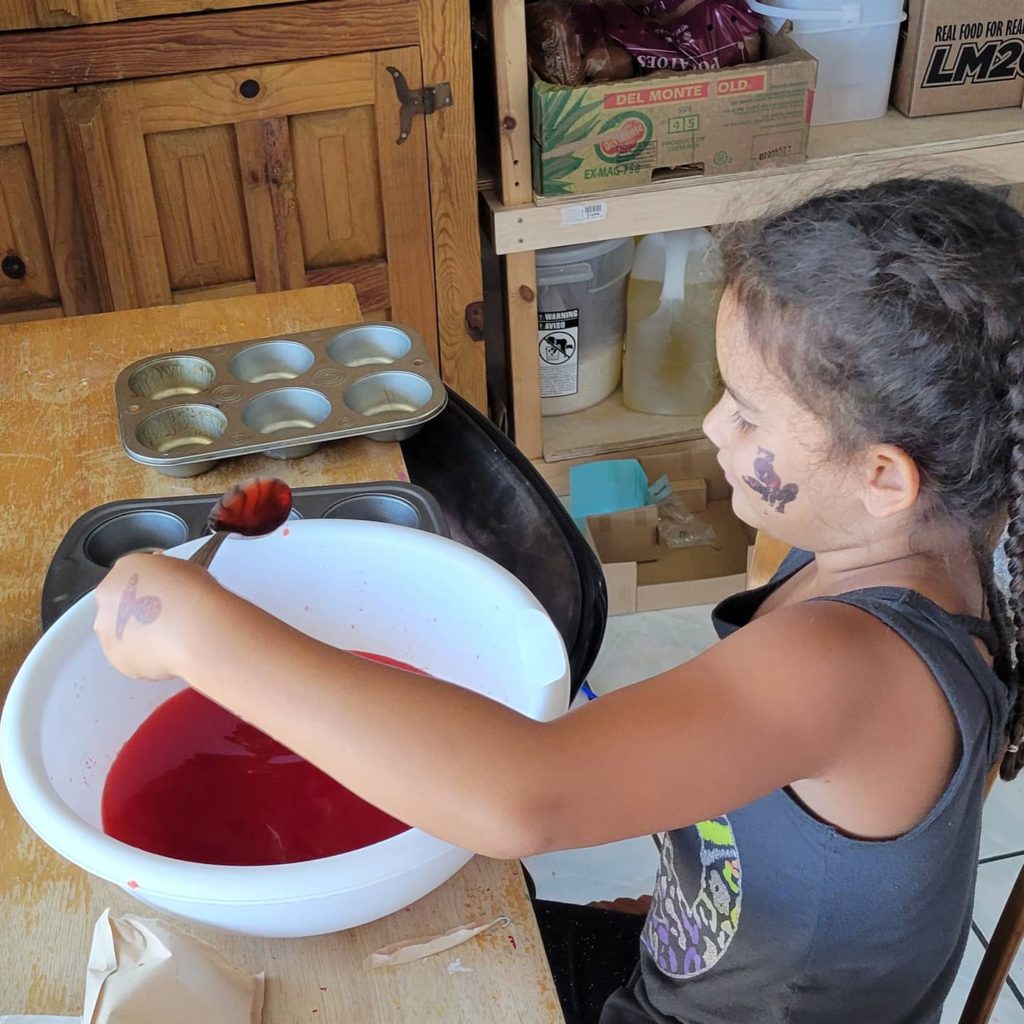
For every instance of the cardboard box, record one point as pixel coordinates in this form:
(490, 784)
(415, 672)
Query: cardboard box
(958, 55)
(628, 536)
(682, 577)
(679, 577)
(613, 135)
(631, 535)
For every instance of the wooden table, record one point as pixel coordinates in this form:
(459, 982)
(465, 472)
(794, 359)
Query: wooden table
(59, 456)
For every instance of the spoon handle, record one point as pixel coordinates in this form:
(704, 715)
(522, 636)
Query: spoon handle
(204, 556)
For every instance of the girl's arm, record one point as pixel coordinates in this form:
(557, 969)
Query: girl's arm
(769, 706)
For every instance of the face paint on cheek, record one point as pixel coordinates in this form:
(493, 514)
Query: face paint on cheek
(768, 483)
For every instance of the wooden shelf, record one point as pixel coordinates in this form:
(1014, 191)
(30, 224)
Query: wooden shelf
(987, 146)
(610, 427)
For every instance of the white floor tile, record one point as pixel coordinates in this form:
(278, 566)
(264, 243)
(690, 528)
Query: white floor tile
(1007, 1011)
(1002, 828)
(597, 872)
(642, 645)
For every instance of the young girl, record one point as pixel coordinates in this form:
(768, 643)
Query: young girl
(816, 779)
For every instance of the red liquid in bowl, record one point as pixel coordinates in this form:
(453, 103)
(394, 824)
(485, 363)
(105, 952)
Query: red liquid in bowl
(197, 783)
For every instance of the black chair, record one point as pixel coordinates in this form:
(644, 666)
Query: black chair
(497, 503)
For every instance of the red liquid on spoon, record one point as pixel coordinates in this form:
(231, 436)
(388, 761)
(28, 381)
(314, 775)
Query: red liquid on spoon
(253, 507)
(197, 783)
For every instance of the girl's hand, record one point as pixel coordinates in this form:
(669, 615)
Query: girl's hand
(144, 607)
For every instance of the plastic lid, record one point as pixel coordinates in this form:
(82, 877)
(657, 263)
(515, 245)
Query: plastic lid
(579, 253)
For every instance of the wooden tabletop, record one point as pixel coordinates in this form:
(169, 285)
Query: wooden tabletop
(59, 456)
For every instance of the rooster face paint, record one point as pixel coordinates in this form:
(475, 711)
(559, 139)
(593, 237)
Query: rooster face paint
(768, 483)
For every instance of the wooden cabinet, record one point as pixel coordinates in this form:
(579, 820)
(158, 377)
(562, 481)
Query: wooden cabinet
(146, 190)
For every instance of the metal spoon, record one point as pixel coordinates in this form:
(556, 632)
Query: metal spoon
(252, 508)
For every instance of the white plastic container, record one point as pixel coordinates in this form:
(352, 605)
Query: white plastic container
(669, 365)
(414, 596)
(581, 320)
(855, 44)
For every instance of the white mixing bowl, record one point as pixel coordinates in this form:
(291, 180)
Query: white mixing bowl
(368, 586)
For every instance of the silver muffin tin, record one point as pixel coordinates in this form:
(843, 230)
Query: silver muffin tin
(184, 412)
(102, 535)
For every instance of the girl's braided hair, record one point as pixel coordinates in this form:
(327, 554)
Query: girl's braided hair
(896, 312)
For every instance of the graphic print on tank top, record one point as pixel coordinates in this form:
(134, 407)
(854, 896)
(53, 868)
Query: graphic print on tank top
(687, 933)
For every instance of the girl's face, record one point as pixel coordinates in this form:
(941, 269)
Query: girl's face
(775, 453)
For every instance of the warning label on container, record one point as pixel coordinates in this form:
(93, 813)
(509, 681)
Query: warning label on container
(559, 335)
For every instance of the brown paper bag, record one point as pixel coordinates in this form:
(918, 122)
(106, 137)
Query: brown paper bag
(143, 972)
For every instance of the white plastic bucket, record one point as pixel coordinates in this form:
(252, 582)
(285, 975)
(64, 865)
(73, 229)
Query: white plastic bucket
(374, 587)
(581, 310)
(855, 45)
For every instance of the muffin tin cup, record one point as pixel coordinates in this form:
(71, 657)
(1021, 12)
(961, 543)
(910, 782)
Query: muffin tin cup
(101, 536)
(284, 396)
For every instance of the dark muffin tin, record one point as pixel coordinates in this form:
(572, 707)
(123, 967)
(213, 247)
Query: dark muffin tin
(102, 535)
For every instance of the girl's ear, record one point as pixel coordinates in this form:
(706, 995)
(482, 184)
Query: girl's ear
(892, 482)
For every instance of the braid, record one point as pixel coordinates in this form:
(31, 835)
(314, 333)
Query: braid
(1014, 759)
(995, 605)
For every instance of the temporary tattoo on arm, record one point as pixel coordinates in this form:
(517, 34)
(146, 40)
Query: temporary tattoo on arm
(145, 609)
(769, 484)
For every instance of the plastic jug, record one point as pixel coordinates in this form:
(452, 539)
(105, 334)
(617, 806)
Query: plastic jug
(581, 319)
(672, 303)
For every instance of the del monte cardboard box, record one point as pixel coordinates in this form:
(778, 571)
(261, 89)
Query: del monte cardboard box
(612, 135)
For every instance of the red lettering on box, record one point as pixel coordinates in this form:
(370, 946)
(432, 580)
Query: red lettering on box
(749, 83)
(676, 93)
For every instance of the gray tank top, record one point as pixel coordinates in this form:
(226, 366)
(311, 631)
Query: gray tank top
(768, 915)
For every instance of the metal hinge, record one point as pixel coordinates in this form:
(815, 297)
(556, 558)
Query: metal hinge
(420, 101)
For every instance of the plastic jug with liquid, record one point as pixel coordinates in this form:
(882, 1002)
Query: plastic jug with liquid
(672, 303)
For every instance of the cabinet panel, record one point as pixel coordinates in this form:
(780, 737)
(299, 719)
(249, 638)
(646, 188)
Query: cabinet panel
(176, 102)
(115, 192)
(268, 177)
(15, 14)
(43, 126)
(55, 13)
(139, 49)
(337, 180)
(198, 192)
(39, 228)
(27, 277)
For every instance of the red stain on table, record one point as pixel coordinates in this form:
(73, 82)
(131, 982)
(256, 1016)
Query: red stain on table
(512, 939)
(132, 884)
(197, 783)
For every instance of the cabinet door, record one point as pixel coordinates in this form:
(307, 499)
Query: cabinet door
(41, 235)
(258, 179)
